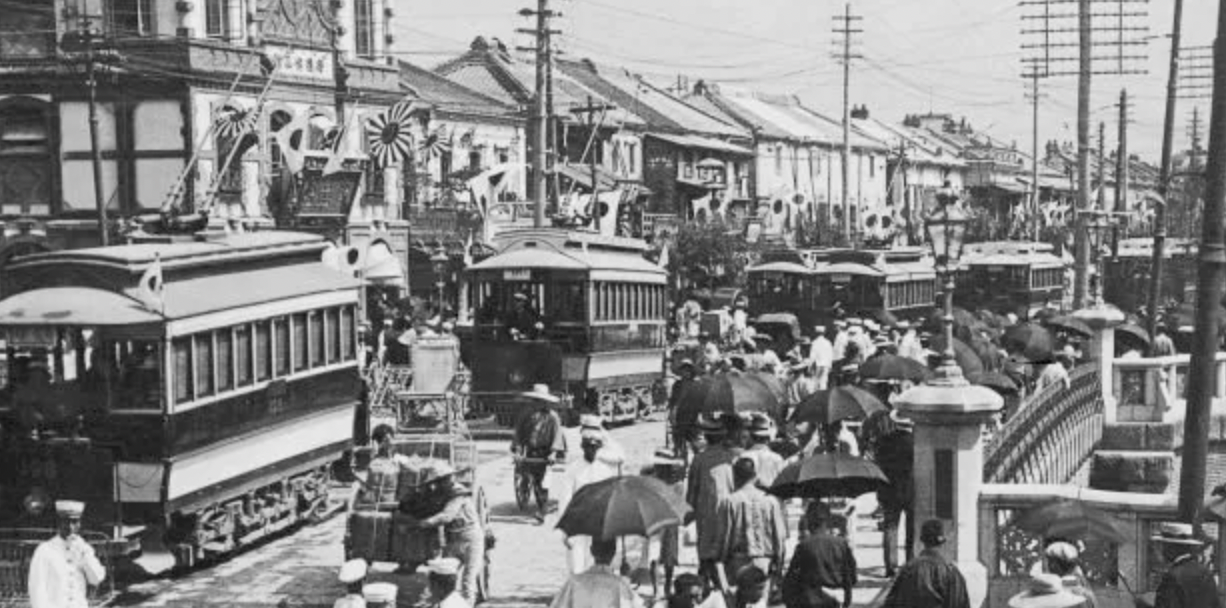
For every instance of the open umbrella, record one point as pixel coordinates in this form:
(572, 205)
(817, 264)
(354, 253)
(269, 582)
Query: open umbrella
(1071, 520)
(884, 317)
(1132, 331)
(966, 356)
(623, 506)
(839, 403)
(828, 474)
(729, 392)
(1070, 324)
(886, 366)
(994, 380)
(965, 323)
(1030, 340)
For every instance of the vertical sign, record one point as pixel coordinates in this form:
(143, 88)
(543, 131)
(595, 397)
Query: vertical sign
(945, 486)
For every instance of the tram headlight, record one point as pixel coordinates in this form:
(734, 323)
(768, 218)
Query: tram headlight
(36, 502)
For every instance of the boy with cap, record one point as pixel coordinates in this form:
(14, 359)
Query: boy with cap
(64, 566)
(353, 574)
(930, 580)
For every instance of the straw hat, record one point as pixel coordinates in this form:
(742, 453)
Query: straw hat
(440, 471)
(441, 566)
(353, 571)
(540, 392)
(1178, 534)
(1045, 591)
(380, 593)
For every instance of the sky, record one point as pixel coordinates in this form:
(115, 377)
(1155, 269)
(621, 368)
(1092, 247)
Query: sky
(961, 57)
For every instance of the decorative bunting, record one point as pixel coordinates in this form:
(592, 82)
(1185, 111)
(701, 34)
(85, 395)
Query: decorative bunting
(390, 134)
(233, 123)
(437, 143)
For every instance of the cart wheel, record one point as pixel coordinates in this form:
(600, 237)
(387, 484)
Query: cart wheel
(483, 509)
(483, 582)
(522, 487)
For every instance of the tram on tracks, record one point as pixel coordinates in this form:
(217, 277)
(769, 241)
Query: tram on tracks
(784, 283)
(897, 283)
(162, 383)
(1135, 259)
(1017, 277)
(583, 313)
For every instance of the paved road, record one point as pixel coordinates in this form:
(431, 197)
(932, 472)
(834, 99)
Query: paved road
(299, 570)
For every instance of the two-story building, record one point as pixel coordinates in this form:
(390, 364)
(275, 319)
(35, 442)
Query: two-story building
(797, 174)
(187, 92)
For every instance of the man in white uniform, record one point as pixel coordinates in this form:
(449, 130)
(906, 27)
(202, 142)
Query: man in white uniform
(600, 461)
(821, 355)
(64, 566)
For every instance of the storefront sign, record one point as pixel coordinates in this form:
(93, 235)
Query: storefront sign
(301, 63)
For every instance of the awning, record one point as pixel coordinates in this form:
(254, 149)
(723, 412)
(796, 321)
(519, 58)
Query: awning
(703, 143)
(382, 267)
(73, 306)
(583, 176)
(1011, 187)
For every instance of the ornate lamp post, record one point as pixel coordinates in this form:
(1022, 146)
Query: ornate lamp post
(439, 261)
(1100, 316)
(946, 232)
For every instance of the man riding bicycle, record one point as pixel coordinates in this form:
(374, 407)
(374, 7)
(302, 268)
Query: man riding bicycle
(539, 442)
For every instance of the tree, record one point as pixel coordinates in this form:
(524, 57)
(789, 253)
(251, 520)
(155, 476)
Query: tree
(710, 254)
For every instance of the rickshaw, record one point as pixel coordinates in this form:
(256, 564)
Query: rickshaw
(430, 429)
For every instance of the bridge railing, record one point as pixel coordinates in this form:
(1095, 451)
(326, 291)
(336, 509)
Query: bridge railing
(1117, 572)
(1153, 389)
(1051, 436)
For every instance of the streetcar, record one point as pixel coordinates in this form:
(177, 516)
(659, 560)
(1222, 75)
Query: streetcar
(197, 393)
(888, 284)
(582, 313)
(784, 282)
(1017, 277)
(1130, 268)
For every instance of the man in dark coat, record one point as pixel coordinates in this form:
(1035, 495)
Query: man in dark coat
(822, 560)
(894, 452)
(930, 580)
(1188, 582)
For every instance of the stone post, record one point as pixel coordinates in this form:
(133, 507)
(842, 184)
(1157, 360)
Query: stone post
(1102, 320)
(949, 417)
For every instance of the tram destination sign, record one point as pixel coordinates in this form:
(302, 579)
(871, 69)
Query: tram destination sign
(517, 275)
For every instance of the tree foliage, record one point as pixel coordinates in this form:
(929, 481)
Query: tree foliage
(710, 254)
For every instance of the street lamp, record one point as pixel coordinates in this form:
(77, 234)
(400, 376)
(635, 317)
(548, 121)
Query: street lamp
(1098, 225)
(946, 231)
(439, 261)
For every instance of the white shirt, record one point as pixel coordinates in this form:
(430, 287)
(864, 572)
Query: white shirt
(61, 571)
(910, 347)
(840, 345)
(581, 472)
(821, 353)
(350, 601)
(599, 586)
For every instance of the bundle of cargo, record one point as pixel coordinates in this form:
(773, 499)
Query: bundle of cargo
(382, 485)
(369, 535)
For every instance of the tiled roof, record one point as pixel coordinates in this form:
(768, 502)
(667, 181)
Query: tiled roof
(919, 149)
(778, 117)
(447, 95)
(478, 78)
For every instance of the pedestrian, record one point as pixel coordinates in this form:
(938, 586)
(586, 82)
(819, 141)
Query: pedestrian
(588, 469)
(751, 588)
(1164, 346)
(752, 530)
(1055, 373)
(600, 585)
(682, 422)
(823, 560)
(1046, 591)
(930, 580)
(1063, 560)
(443, 575)
(540, 442)
(465, 539)
(1188, 582)
(710, 482)
(767, 463)
(688, 592)
(821, 355)
(64, 566)
(841, 338)
(895, 453)
(803, 383)
(352, 575)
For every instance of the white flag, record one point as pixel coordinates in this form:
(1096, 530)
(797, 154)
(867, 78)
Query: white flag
(339, 147)
(152, 289)
(663, 263)
(291, 153)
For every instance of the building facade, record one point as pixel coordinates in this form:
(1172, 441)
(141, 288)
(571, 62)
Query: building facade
(208, 84)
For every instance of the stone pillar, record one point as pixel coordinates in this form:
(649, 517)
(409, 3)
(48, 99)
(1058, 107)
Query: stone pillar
(949, 417)
(1102, 320)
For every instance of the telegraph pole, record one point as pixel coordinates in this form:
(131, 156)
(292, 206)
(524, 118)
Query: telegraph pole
(846, 30)
(1101, 201)
(1081, 244)
(89, 37)
(1034, 76)
(1211, 272)
(1158, 254)
(1194, 140)
(1121, 170)
(589, 111)
(540, 157)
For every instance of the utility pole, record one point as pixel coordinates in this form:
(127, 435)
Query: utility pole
(1118, 35)
(589, 111)
(1194, 140)
(846, 30)
(1101, 201)
(89, 37)
(1034, 76)
(540, 157)
(1121, 171)
(1158, 254)
(1210, 274)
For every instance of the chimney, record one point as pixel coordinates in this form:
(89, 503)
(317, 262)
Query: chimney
(859, 112)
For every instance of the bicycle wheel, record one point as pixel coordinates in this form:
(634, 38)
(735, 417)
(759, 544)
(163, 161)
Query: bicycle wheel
(523, 487)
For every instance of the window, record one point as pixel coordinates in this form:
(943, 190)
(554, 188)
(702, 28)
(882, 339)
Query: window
(204, 364)
(225, 358)
(216, 18)
(872, 166)
(130, 17)
(242, 340)
(27, 29)
(299, 340)
(315, 321)
(332, 334)
(281, 338)
(364, 28)
(347, 333)
(182, 348)
(779, 160)
(25, 159)
(263, 350)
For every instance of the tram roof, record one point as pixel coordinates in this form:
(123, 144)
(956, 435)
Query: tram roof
(988, 248)
(603, 257)
(202, 249)
(783, 267)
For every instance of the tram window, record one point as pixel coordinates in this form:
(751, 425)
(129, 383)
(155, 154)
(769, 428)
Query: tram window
(203, 359)
(183, 369)
(263, 351)
(298, 340)
(225, 359)
(282, 346)
(315, 329)
(347, 333)
(332, 321)
(242, 356)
